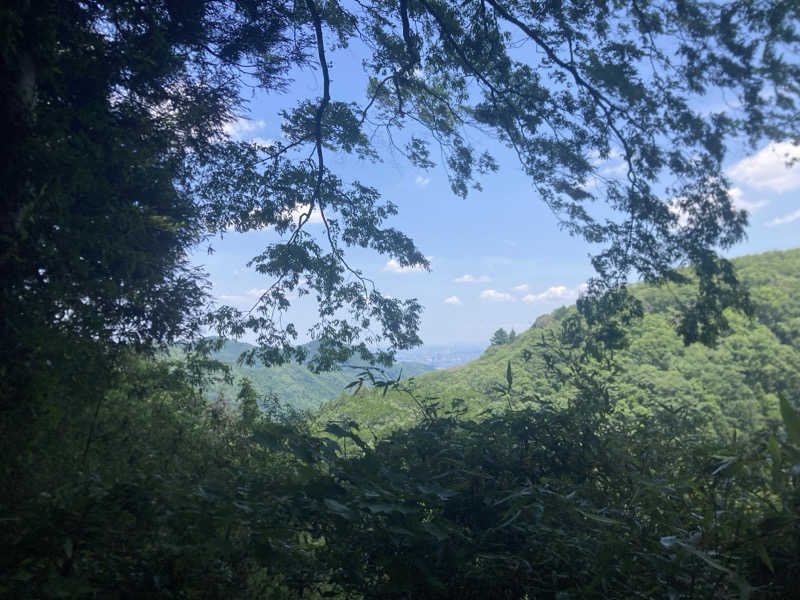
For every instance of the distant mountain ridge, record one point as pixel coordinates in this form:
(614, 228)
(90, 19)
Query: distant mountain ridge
(443, 356)
(293, 383)
(732, 387)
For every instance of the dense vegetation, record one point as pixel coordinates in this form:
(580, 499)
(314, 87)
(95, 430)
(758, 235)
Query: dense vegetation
(731, 387)
(583, 461)
(293, 384)
(567, 478)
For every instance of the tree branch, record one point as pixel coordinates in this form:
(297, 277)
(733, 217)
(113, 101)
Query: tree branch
(608, 107)
(326, 98)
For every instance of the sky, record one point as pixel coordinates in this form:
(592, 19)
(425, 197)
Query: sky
(498, 257)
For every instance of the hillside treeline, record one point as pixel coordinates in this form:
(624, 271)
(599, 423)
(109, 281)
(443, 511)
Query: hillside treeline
(731, 386)
(594, 456)
(571, 476)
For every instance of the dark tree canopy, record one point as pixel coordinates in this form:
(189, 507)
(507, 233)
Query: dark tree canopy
(115, 161)
(499, 337)
(119, 479)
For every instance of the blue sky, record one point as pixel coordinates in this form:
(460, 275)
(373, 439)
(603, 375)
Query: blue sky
(498, 257)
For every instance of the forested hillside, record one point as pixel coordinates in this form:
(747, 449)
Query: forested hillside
(293, 384)
(733, 386)
(637, 445)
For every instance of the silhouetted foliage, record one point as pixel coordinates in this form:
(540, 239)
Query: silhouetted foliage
(499, 337)
(595, 455)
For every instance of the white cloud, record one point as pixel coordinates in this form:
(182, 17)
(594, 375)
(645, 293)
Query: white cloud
(496, 296)
(523, 287)
(556, 292)
(295, 213)
(767, 169)
(675, 208)
(739, 199)
(609, 167)
(742, 203)
(591, 184)
(248, 298)
(239, 128)
(785, 219)
(467, 278)
(267, 143)
(316, 216)
(454, 300)
(596, 160)
(393, 266)
(422, 181)
(616, 170)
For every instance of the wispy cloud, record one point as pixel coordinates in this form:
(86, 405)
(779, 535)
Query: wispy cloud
(523, 287)
(767, 169)
(742, 202)
(295, 213)
(467, 278)
(556, 292)
(302, 209)
(784, 219)
(496, 296)
(611, 166)
(739, 199)
(614, 170)
(247, 298)
(422, 181)
(241, 127)
(266, 142)
(674, 207)
(454, 300)
(393, 266)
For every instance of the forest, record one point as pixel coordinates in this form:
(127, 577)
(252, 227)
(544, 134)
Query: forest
(292, 384)
(643, 442)
(731, 387)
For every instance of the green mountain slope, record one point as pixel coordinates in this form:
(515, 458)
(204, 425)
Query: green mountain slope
(293, 383)
(730, 387)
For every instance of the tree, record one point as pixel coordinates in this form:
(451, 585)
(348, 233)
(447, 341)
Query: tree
(499, 337)
(512, 335)
(602, 84)
(117, 163)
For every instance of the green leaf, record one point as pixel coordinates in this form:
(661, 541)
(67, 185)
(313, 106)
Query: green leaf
(336, 430)
(435, 531)
(762, 553)
(389, 508)
(601, 519)
(729, 460)
(791, 420)
(338, 508)
(774, 449)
